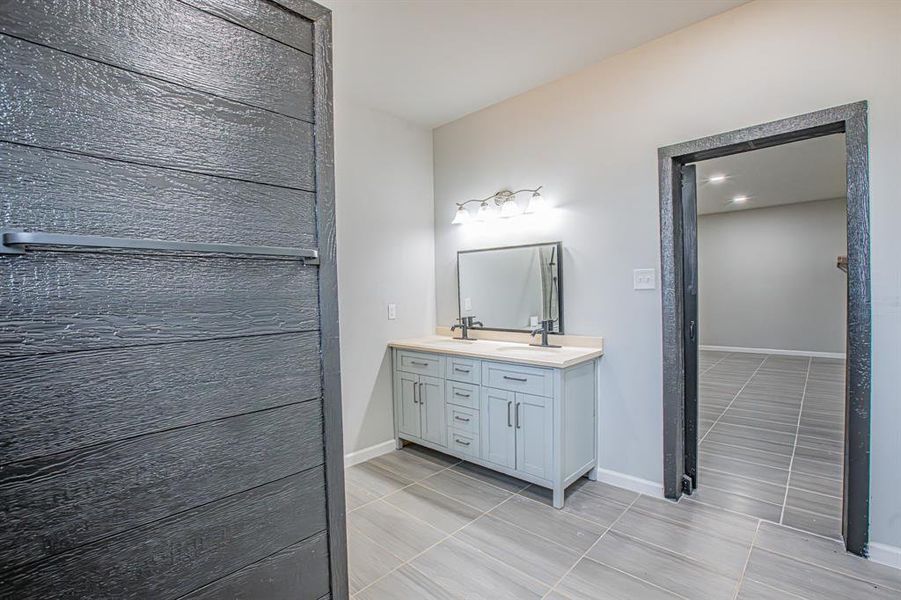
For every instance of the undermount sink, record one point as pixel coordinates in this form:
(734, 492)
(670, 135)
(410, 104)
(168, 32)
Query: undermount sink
(451, 342)
(536, 349)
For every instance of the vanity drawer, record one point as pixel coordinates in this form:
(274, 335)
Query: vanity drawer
(421, 363)
(463, 443)
(463, 419)
(464, 369)
(462, 394)
(518, 378)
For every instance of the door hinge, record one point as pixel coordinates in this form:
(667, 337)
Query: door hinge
(688, 484)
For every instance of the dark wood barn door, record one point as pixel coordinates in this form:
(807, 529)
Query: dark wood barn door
(169, 417)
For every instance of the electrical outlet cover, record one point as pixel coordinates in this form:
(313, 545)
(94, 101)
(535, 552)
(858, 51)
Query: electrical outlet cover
(644, 279)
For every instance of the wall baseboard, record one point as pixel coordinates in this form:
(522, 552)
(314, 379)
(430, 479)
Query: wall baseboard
(776, 351)
(885, 554)
(360, 456)
(630, 482)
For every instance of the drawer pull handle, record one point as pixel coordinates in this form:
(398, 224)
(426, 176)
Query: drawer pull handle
(461, 442)
(462, 395)
(459, 418)
(419, 363)
(523, 379)
(460, 370)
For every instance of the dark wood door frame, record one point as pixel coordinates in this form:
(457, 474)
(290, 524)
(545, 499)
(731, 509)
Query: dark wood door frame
(850, 119)
(323, 146)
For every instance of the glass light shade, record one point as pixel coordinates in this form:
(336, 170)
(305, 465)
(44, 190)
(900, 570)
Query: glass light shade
(537, 203)
(486, 212)
(510, 209)
(462, 216)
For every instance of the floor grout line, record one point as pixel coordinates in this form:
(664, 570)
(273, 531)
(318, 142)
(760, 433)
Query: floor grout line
(741, 448)
(795, 446)
(737, 394)
(704, 372)
(740, 495)
(414, 557)
(412, 483)
(584, 554)
(741, 578)
(769, 521)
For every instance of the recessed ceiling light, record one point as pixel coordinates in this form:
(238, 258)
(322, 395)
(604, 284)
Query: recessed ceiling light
(740, 199)
(716, 178)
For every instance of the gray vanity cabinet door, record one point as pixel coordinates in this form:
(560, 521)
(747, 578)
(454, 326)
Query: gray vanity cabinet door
(498, 433)
(406, 393)
(433, 413)
(534, 423)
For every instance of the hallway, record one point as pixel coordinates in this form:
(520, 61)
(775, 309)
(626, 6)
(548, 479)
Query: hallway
(771, 438)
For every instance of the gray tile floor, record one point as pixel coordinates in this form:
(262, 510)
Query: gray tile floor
(423, 526)
(771, 431)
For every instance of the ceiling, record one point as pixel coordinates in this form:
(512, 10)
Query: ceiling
(798, 172)
(434, 61)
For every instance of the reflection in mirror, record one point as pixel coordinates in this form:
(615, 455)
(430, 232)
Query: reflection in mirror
(514, 288)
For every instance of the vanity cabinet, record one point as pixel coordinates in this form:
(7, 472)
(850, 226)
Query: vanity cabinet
(531, 422)
(420, 407)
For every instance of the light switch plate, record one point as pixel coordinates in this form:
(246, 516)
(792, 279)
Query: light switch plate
(644, 279)
(467, 303)
(392, 312)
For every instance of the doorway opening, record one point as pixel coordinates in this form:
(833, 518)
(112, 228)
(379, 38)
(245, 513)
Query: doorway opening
(766, 382)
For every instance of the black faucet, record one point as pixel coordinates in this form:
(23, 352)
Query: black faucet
(544, 329)
(465, 324)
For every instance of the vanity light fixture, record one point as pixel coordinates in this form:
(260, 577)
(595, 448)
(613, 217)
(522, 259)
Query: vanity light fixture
(500, 204)
(537, 203)
(486, 212)
(461, 217)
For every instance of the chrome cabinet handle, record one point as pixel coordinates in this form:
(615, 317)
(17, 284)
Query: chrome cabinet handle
(515, 378)
(461, 442)
(518, 404)
(419, 363)
(509, 422)
(459, 418)
(421, 401)
(462, 395)
(459, 370)
(415, 393)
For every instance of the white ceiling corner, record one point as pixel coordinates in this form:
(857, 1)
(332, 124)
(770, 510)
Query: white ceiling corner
(433, 61)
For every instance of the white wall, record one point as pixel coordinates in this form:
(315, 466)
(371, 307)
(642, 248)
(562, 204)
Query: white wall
(591, 139)
(383, 171)
(767, 277)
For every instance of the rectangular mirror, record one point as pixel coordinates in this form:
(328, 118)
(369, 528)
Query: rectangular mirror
(513, 288)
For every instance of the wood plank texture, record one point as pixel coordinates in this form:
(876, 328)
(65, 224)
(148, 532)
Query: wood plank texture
(63, 301)
(299, 572)
(56, 100)
(184, 552)
(59, 402)
(63, 192)
(328, 295)
(55, 503)
(213, 56)
(266, 18)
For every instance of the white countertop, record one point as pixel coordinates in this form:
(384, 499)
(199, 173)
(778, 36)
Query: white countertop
(514, 352)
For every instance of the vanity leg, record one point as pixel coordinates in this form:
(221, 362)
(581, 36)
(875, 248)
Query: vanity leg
(593, 474)
(398, 443)
(558, 497)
